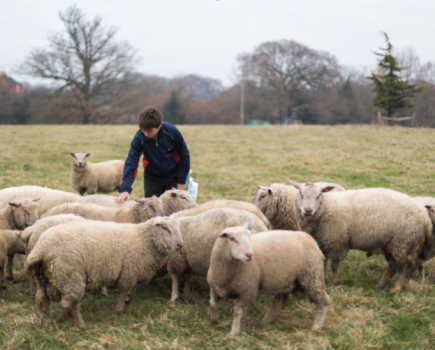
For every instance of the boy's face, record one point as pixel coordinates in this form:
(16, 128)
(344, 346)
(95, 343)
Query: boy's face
(152, 132)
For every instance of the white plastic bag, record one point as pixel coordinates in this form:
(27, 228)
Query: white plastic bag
(191, 186)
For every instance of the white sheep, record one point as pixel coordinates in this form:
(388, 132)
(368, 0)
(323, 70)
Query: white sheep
(176, 200)
(19, 214)
(276, 262)
(102, 177)
(85, 255)
(371, 220)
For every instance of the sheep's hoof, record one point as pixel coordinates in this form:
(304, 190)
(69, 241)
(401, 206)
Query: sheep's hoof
(127, 302)
(10, 278)
(392, 290)
(3, 287)
(369, 254)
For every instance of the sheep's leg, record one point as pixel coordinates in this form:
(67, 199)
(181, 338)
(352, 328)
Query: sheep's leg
(240, 308)
(325, 262)
(121, 300)
(315, 288)
(42, 301)
(175, 294)
(214, 304)
(278, 302)
(421, 273)
(72, 307)
(186, 290)
(130, 295)
(404, 278)
(391, 272)
(104, 291)
(321, 307)
(2, 275)
(92, 190)
(32, 284)
(9, 275)
(334, 266)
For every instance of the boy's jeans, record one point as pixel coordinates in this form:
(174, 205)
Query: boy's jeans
(156, 185)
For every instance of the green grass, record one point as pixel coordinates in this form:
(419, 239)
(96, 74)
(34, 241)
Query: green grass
(228, 162)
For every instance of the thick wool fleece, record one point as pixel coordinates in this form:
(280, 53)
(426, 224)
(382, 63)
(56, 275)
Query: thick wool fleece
(144, 210)
(176, 200)
(20, 214)
(199, 234)
(225, 203)
(102, 177)
(10, 244)
(283, 262)
(372, 220)
(75, 256)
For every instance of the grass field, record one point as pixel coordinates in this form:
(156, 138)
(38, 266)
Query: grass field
(228, 162)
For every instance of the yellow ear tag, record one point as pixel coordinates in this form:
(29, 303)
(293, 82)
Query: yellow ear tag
(18, 234)
(159, 222)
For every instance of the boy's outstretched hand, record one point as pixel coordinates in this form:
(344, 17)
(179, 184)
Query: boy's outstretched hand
(122, 197)
(181, 187)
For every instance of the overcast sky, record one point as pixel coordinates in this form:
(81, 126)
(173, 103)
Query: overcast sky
(175, 37)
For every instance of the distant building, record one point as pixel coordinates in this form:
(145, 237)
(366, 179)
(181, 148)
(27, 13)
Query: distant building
(8, 82)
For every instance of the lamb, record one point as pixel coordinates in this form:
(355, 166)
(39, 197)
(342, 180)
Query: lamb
(19, 214)
(102, 177)
(10, 244)
(176, 200)
(275, 262)
(145, 209)
(199, 234)
(276, 202)
(374, 219)
(52, 198)
(75, 256)
(31, 235)
(226, 203)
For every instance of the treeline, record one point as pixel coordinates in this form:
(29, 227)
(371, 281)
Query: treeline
(280, 79)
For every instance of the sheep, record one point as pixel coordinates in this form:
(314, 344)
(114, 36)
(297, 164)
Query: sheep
(276, 262)
(10, 244)
(276, 202)
(102, 177)
(52, 198)
(75, 256)
(145, 209)
(226, 203)
(176, 200)
(19, 214)
(374, 219)
(199, 234)
(31, 235)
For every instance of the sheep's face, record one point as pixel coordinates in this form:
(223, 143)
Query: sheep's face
(149, 208)
(238, 241)
(309, 197)
(263, 196)
(431, 211)
(25, 212)
(170, 229)
(177, 200)
(80, 159)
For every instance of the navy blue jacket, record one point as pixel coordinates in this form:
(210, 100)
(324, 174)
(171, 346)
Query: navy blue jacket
(160, 158)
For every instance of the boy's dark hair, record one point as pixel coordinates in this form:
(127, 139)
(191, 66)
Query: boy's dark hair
(150, 118)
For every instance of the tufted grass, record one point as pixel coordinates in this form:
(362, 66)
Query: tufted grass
(228, 162)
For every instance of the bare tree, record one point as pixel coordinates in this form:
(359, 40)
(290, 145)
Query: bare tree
(86, 60)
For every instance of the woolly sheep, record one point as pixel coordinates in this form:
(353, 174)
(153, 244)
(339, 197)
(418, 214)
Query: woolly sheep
(75, 256)
(52, 198)
(275, 262)
(10, 244)
(102, 177)
(276, 202)
(145, 209)
(374, 219)
(19, 214)
(199, 234)
(31, 235)
(225, 203)
(176, 200)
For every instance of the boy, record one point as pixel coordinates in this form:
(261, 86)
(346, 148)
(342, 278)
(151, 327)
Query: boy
(166, 159)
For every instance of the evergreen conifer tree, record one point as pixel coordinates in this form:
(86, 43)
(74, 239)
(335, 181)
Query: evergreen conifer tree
(173, 109)
(392, 92)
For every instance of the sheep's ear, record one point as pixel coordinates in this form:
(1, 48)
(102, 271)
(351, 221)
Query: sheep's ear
(271, 191)
(14, 205)
(260, 187)
(72, 154)
(328, 189)
(173, 188)
(87, 155)
(173, 216)
(36, 199)
(428, 207)
(247, 224)
(157, 222)
(154, 196)
(139, 200)
(295, 184)
(173, 194)
(223, 235)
